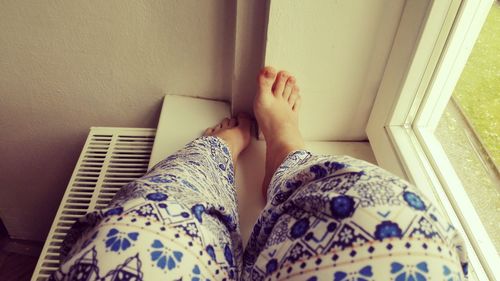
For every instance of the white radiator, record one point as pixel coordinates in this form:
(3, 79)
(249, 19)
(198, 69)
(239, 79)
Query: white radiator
(111, 157)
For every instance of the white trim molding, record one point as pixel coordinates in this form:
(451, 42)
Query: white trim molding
(431, 48)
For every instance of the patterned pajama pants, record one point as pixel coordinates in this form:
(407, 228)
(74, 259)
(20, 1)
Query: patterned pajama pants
(327, 218)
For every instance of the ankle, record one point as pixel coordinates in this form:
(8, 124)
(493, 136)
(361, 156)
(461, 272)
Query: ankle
(277, 152)
(275, 155)
(286, 143)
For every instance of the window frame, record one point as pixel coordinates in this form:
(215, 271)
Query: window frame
(430, 50)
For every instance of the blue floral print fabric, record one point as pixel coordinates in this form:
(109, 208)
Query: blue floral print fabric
(342, 219)
(177, 222)
(327, 218)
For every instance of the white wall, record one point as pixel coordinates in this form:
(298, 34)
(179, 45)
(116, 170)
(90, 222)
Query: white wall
(338, 50)
(69, 65)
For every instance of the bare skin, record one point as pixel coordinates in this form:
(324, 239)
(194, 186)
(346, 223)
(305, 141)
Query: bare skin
(276, 108)
(235, 132)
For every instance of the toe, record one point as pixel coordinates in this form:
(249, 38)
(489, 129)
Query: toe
(293, 97)
(266, 77)
(224, 123)
(233, 122)
(279, 84)
(298, 103)
(295, 93)
(244, 120)
(208, 131)
(290, 83)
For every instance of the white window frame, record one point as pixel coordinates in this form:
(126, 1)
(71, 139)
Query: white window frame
(430, 50)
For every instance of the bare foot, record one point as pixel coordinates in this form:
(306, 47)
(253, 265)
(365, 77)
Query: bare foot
(235, 132)
(276, 107)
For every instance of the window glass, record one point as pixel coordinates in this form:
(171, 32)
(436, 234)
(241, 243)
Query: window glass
(470, 127)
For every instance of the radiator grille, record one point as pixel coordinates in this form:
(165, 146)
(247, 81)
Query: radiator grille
(111, 157)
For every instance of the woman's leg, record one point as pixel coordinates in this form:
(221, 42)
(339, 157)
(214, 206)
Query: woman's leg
(178, 221)
(338, 218)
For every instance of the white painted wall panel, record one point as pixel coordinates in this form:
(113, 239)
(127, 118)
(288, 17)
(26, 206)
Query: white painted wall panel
(338, 51)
